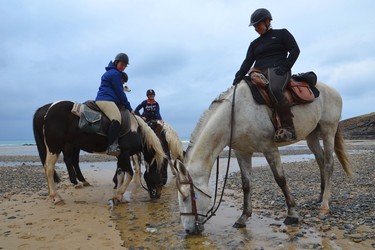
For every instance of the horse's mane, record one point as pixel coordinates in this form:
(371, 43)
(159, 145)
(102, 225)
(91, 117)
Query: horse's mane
(206, 115)
(151, 141)
(174, 142)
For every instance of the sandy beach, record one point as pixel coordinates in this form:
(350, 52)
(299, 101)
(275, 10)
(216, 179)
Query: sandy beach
(31, 221)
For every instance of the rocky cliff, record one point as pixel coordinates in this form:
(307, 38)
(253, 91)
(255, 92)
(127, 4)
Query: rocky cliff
(359, 127)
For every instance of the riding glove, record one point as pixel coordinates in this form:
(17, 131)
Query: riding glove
(237, 79)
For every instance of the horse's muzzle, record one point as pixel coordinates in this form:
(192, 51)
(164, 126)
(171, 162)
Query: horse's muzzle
(198, 229)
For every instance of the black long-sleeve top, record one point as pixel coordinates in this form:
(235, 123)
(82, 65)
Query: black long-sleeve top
(272, 49)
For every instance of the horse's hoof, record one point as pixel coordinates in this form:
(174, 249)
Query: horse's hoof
(323, 212)
(78, 186)
(86, 184)
(291, 220)
(239, 225)
(116, 201)
(59, 202)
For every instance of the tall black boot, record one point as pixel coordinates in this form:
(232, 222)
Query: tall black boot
(287, 132)
(113, 133)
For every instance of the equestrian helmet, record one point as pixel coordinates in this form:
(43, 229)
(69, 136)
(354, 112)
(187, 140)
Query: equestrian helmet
(150, 92)
(122, 57)
(259, 15)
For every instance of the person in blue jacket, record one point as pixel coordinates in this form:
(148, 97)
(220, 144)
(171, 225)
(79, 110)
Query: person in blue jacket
(110, 96)
(151, 108)
(274, 53)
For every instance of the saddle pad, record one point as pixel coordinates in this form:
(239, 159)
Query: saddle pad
(90, 121)
(125, 116)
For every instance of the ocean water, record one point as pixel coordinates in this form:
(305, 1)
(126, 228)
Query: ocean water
(28, 147)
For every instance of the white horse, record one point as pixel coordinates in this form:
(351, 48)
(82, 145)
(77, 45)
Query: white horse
(253, 131)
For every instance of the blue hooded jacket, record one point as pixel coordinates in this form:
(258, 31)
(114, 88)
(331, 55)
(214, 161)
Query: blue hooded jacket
(111, 88)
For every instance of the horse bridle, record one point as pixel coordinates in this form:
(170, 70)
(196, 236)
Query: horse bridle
(193, 199)
(211, 212)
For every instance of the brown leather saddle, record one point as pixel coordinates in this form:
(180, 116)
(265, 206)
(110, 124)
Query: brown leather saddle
(300, 90)
(104, 121)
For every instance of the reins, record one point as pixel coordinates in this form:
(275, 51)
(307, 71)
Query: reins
(211, 212)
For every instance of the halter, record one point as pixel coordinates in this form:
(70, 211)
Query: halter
(211, 212)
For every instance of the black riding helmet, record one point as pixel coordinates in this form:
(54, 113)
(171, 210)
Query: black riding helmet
(150, 92)
(121, 57)
(259, 15)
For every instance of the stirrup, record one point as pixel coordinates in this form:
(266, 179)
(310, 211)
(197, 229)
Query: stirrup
(113, 150)
(285, 135)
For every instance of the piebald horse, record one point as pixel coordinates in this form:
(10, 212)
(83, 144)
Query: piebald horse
(172, 147)
(58, 130)
(253, 131)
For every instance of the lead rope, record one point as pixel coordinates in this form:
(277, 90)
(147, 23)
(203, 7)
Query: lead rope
(212, 213)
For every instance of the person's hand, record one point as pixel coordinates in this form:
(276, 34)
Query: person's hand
(237, 79)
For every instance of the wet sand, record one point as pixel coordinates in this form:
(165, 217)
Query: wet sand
(31, 221)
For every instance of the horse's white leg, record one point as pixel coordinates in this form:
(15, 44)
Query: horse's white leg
(137, 168)
(274, 160)
(244, 161)
(314, 145)
(121, 188)
(328, 136)
(49, 169)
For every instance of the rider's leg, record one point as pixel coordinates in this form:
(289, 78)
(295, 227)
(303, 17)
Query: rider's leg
(277, 84)
(113, 113)
(113, 133)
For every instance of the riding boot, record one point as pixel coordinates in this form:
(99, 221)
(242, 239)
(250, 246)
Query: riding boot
(286, 132)
(113, 133)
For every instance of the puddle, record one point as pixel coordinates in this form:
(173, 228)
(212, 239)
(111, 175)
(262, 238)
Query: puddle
(146, 224)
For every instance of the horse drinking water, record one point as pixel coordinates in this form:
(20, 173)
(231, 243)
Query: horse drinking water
(253, 131)
(60, 130)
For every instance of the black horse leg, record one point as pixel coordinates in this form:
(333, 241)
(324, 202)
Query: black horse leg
(75, 162)
(69, 155)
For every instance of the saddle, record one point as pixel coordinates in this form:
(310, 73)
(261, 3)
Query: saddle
(300, 90)
(94, 121)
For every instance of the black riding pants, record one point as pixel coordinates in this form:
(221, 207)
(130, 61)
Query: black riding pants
(277, 84)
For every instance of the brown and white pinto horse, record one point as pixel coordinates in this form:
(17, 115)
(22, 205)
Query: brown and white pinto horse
(58, 131)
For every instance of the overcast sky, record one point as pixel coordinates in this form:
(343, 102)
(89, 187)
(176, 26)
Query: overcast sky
(187, 51)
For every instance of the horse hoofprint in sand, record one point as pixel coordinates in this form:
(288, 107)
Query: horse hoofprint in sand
(253, 132)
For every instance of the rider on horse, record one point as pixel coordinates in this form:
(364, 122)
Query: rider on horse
(111, 95)
(274, 53)
(151, 109)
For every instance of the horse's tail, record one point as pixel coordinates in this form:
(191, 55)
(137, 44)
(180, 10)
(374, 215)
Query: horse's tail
(151, 141)
(174, 142)
(341, 152)
(38, 124)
